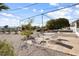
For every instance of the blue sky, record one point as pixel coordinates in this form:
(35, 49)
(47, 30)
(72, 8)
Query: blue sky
(13, 17)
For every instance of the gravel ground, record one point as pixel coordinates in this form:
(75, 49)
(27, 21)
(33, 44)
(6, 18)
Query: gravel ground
(32, 50)
(47, 52)
(23, 49)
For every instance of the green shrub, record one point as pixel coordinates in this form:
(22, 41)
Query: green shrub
(26, 32)
(6, 49)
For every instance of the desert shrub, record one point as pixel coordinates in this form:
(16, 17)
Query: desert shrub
(6, 49)
(26, 32)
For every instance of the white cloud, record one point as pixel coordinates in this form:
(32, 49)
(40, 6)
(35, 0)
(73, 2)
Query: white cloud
(77, 12)
(9, 15)
(69, 13)
(23, 22)
(41, 10)
(25, 8)
(67, 10)
(77, 6)
(65, 13)
(53, 4)
(10, 22)
(6, 14)
(34, 10)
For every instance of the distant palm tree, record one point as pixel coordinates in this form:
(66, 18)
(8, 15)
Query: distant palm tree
(3, 7)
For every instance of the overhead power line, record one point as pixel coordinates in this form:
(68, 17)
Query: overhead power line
(22, 7)
(53, 10)
(47, 16)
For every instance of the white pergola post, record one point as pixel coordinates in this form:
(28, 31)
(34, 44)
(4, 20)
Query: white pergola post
(77, 33)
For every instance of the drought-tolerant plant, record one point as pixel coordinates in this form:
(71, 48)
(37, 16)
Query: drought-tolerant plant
(27, 29)
(6, 49)
(26, 32)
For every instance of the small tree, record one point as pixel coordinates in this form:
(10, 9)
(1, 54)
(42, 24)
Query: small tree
(63, 22)
(57, 23)
(27, 29)
(50, 24)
